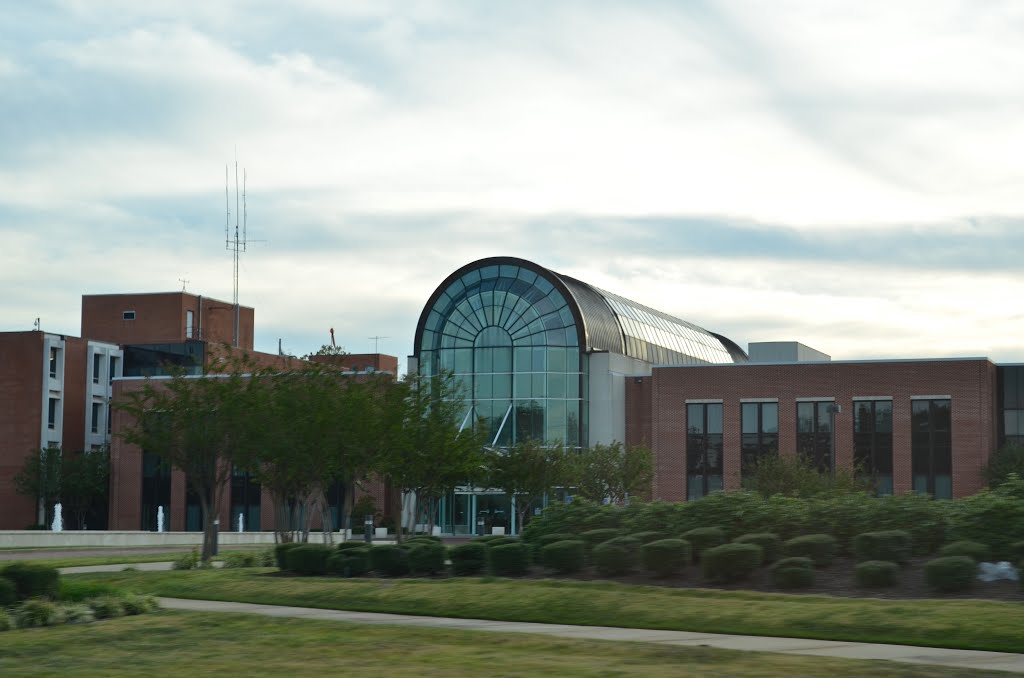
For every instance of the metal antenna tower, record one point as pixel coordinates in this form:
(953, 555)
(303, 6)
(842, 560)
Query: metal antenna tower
(376, 341)
(239, 242)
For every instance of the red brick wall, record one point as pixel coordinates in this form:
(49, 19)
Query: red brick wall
(160, 318)
(21, 398)
(971, 384)
(358, 362)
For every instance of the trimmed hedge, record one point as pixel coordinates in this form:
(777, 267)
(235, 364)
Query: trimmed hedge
(647, 536)
(874, 574)
(796, 572)
(1017, 552)
(308, 559)
(770, 543)
(951, 573)
(352, 545)
(614, 557)
(428, 557)
(468, 559)
(564, 557)
(731, 562)
(281, 553)
(703, 538)
(972, 549)
(33, 580)
(821, 548)
(594, 537)
(349, 563)
(8, 592)
(894, 546)
(389, 560)
(509, 560)
(540, 542)
(665, 557)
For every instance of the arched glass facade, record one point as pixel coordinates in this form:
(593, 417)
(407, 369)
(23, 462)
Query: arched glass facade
(511, 338)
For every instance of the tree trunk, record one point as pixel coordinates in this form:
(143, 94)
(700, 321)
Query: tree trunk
(208, 537)
(349, 502)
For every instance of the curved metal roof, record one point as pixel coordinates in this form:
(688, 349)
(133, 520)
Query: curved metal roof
(609, 322)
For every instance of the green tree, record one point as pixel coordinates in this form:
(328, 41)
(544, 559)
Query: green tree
(84, 481)
(199, 425)
(39, 478)
(527, 471)
(797, 476)
(612, 472)
(1006, 460)
(423, 452)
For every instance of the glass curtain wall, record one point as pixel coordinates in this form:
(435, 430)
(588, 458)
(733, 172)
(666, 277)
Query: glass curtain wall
(872, 442)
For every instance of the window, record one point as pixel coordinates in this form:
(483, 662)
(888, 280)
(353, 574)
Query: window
(128, 315)
(872, 442)
(97, 361)
(814, 433)
(760, 432)
(51, 415)
(97, 415)
(1011, 402)
(53, 362)
(189, 316)
(245, 502)
(931, 447)
(703, 449)
(113, 368)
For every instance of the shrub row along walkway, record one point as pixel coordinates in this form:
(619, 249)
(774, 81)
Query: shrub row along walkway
(967, 659)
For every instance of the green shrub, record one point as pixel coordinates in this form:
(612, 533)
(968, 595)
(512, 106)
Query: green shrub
(893, 546)
(545, 539)
(468, 559)
(992, 517)
(75, 591)
(950, 573)
(731, 562)
(428, 557)
(665, 557)
(509, 560)
(769, 543)
(1016, 552)
(76, 613)
(8, 592)
(564, 556)
(425, 537)
(500, 540)
(573, 518)
(821, 548)
(37, 612)
(795, 572)
(614, 558)
(875, 574)
(594, 537)
(629, 542)
(972, 549)
(309, 559)
(234, 559)
(186, 561)
(349, 563)
(487, 538)
(33, 580)
(389, 561)
(138, 604)
(265, 557)
(704, 538)
(351, 545)
(281, 553)
(647, 536)
(5, 620)
(107, 607)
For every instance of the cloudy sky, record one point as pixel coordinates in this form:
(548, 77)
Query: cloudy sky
(845, 174)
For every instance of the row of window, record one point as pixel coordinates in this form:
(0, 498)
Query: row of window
(931, 442)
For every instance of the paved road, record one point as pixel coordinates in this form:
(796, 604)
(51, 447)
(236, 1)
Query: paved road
(968, 659)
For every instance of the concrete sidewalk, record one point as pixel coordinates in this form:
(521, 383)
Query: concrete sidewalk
(967, 659)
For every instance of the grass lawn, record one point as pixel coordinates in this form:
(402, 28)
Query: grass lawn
(171, 643)
(112, 559)
(965, 624)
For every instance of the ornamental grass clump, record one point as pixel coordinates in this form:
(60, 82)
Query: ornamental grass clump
(564, 557)
(37, 612)
(235, 559)
(821, 548)
(950, 574)
(389, 560)
(703, 538)
(77, 613)
(107, 607)
(509, 560)
(186, 561)
(972, 549)
(614, 557)
(796, 572)
(309, 559)
(731, 562)
(894, 546)
(665, 557)
(876, 574)
(468, 559)
(5, 621)
(138, 604)
(770, 543)
(8, 592)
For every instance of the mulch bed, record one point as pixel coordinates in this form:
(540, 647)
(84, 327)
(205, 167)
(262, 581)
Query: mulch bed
(835, 580)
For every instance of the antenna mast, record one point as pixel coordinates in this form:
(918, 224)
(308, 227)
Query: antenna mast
(238, 243)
